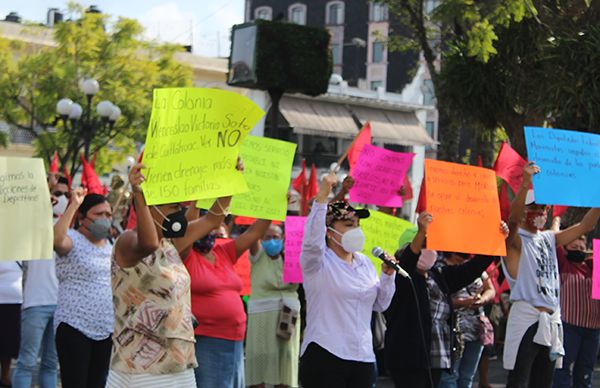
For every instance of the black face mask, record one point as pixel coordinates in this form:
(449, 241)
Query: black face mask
(205, 244)
(576, 256)
(174, 224)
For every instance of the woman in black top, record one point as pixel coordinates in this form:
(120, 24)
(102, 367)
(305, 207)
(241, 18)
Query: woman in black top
(407, 357)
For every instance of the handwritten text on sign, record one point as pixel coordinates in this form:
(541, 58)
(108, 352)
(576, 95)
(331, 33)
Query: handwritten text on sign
(382, 230)
(192, 144)
(596, 271)
(294, 233)
(25, 210)
(378, 175)
(570, 166)
(267, 170)
(463, 201)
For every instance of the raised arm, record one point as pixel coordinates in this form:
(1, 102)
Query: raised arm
(251, 237)
(346, 186)
(586, 225)
(133, 245)
(313, 244)
(409, 257)
(62, 242)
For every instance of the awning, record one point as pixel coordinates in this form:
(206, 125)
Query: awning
(312, 117)
(325, 118)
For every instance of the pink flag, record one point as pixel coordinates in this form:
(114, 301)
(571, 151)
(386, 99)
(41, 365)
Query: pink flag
(596, 271)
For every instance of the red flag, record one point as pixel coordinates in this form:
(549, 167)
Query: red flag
(479, 161)
(313, 184)
(408, 191)
(68, 176)
(299, 183)
(363, 137)
(493, 272)
(89, 179)
(504, 202)
(93, 160)
(422, 203)
(509, 166)
(54, 164)
(558, 211)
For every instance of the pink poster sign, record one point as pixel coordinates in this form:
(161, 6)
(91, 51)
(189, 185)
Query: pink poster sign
(596, 271)
(294, 233)
(378, 176)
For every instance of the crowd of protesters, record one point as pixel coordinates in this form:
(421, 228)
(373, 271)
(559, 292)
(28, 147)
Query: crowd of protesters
(159, 304)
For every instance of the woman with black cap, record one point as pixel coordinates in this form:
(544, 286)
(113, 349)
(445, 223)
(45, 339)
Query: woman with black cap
(84, 316)
(342, 290)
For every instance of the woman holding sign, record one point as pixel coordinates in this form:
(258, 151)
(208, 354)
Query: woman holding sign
(154, 327)
(273, 339)
(342, 290)
(217, 305)
(83, 319)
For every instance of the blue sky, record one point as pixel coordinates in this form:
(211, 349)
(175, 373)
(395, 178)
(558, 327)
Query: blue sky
(205, 23)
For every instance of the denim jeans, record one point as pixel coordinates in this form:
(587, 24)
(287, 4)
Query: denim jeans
(220, 363)
(37, 338)
(463, 369)
(581, 347)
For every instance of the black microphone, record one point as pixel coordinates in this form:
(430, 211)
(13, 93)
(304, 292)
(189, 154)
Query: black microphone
(380, 253)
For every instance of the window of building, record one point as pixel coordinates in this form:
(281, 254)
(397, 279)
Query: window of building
(430, 128)
(376, 84)
(378, 49)
(428, 92)
(336, 52)
(297, 13)
(265, 13)
(379, 12)
(335, 13)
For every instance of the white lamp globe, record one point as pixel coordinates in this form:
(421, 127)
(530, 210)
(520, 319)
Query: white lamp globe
(90, 87)
(63, 107)
(104, 109)
(76, 111)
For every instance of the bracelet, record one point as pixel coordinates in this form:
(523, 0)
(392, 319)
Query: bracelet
(226, 211)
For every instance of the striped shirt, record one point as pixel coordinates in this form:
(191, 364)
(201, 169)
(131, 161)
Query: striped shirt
(576, 303)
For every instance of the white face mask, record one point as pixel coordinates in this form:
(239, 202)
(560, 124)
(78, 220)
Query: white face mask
(61, 205)
(352, 241)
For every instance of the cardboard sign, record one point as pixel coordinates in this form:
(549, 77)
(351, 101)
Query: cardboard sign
(193, 143)
(463, 201)
(26, 229)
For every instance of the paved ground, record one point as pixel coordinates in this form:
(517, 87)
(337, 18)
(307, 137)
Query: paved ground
(497, 377)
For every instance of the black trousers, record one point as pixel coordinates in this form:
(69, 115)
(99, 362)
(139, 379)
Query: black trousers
(415, 378)
(321, 369)
(83, 362)
(533, 367)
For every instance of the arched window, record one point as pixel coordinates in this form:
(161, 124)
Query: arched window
(265, 13)
(335, 13)
(297, 13)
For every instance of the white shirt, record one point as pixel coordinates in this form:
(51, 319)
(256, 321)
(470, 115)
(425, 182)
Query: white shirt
(85, 291)
(41, 284)
(340, 297)
(10, 283)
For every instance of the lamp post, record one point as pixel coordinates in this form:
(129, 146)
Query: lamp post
(81, 122)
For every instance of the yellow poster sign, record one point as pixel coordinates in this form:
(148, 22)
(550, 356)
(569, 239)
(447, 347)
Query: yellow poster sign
(382, 230)
(267, 169)
(193, 142)
(26, 231)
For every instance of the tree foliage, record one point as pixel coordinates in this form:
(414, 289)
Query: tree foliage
(87, 46)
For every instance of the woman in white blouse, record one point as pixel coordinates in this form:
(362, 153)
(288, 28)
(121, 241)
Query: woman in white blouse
(84, 313)
(342, 290)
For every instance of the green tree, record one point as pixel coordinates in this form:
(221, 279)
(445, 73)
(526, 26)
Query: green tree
(473, 26)
(87, 46)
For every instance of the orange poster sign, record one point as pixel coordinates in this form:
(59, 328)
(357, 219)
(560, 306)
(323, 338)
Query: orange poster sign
(463, 201)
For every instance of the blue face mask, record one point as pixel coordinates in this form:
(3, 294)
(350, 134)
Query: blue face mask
(273, 247)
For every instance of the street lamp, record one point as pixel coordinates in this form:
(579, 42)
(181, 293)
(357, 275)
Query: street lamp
(80, 121)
